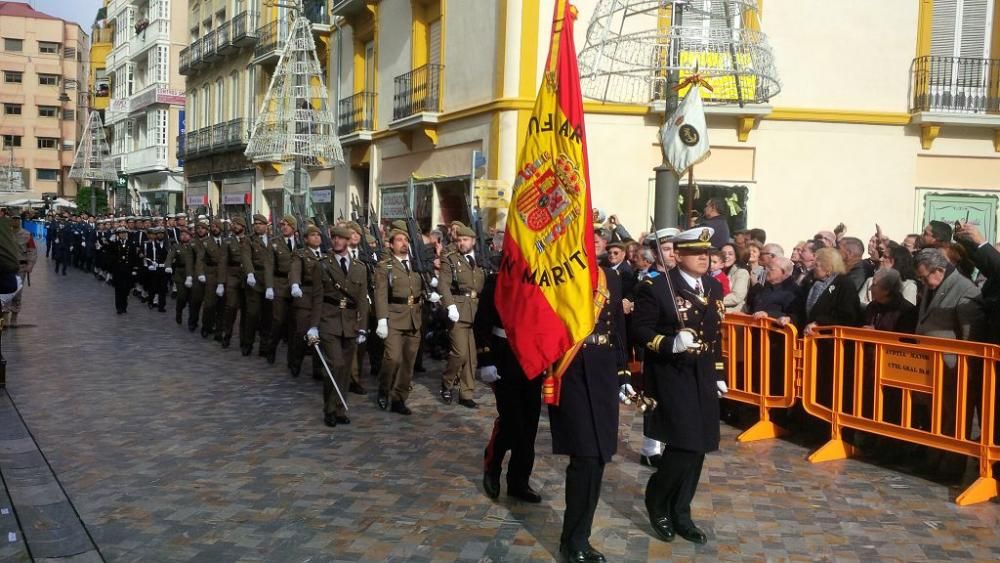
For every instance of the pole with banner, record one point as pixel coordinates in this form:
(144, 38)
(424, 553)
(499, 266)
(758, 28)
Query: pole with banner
(548, 275)
(684, 137)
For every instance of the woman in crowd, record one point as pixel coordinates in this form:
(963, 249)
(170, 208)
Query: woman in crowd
(894, 257)
(889, 310)
(739, 280)
(752, 260)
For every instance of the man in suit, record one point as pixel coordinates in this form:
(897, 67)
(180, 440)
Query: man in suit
(987, 260)
(399, 295)
(339, 314)
(951, 306)
(678, 321)
(461, 281)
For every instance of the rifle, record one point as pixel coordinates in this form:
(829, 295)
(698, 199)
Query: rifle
(483, 249)
(421, 256)
(324, 232)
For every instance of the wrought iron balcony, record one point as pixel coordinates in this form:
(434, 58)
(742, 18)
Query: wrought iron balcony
(184, 64)
(961, 85)
(181, 146)
(195, 54)
(271, 39)
(318, 14)
(224, 38)
(417, 91)
(244, 29)
(218, 137)
(356, 113)
(237, 133)
(208, 46)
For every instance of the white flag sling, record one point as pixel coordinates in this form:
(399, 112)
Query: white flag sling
(684, 137)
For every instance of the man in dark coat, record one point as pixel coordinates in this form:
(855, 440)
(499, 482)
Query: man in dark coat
(987, 260)
(584, 423)
(678, 323)
(123, 262)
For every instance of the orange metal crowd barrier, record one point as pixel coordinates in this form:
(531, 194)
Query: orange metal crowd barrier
(918, 389)
(761, 359)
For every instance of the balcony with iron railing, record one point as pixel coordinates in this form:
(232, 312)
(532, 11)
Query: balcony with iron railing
(244, 29)
(271, 39)
(955, 85)
(954, 91)
(208, 46)
(237, 133)
(356, 117)
(417, 95)
(224, 38)
(317, 13)
(184, 61)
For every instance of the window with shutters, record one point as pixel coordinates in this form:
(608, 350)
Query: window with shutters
(47, 142)
(959, 70)
(48, 48)
(220, 101)
(161, 69)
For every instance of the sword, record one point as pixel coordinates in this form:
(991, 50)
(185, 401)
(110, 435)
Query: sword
(322, 359)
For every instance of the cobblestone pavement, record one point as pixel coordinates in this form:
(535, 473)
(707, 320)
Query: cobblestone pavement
(173, 449)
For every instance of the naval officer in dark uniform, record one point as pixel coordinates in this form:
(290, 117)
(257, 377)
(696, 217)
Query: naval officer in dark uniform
(679, 324)
(584, 424)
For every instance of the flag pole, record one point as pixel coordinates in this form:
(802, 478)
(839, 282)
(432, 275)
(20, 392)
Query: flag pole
(689, 199)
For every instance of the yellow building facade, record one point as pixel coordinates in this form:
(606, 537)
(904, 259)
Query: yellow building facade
(101, 42)
(888, 113)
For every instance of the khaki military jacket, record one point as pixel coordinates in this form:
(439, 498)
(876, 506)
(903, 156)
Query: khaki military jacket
(460, 285)
(304, 262)
(398, 295)
(262, 261)
(283, 258)
(235, 263)
(210, 261)
(339, 300)
(181, 259)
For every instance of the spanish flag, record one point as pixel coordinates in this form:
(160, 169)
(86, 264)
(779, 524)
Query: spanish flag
(547, 278)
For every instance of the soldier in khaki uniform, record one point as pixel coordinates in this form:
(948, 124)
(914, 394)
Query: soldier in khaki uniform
(200, 233)
(235, 270)
(300, 278)
(399, 294)
(282, 251)
(339, 316)
(207, 269)
(354, 249)
(260, 281)
(461, 282)
(180, 265)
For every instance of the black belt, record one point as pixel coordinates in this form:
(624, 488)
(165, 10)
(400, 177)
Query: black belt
(23, 262)
(235, 264)
(467, 293)
(411, 300)
(280, 275)
(340, 303)
(211, 264)
(595, 339)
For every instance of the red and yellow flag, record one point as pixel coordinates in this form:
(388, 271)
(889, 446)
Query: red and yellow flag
(545, 288)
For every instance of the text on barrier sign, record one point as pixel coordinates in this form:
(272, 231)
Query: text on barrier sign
(905, 368)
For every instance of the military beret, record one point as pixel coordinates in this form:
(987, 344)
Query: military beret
(203, 223)
(239, 221)
(457, 224)
(290, 220)
(313, 229)
(354, 226)
(398, 224)
(393, 233)
(464, 231)
(258, 218)
(342, 232)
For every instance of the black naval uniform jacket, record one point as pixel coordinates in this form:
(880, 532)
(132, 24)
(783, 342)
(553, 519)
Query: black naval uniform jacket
(685, 384)
(586, 421)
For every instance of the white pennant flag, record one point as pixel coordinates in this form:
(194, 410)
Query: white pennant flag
(684, 137)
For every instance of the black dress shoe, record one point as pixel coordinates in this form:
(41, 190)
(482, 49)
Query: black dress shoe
(692, 534)
(225, 341)
(468, 403)
(587, 555)
(295, 370)
(204, 333)
(330, 421)
(357, 389)
(192, 328)
(383, 401)
(270, 357)
(162, 309)
(178, 318)
(401, 408)
(663, 527)
(342, 419)
(419, 369)
(491, 484)
(593, 555)
(526, 494)
(650, 460)
(446, 395)
(246, 351)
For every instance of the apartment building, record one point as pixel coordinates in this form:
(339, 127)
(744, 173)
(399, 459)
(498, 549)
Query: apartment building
(146, 111)
(102, 36)
(889, 112)
(44, 96)
(234, 47)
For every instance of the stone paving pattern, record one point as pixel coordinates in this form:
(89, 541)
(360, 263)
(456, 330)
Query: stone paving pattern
(173, 449)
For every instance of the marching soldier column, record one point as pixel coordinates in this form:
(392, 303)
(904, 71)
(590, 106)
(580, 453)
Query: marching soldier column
(461, 282)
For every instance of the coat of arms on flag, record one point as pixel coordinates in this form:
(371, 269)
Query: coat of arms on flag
(684, 137)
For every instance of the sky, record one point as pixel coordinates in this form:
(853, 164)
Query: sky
(78, 11)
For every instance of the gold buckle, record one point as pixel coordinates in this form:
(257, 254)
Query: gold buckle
(410, 300)
(602, 339)
(473, 294)
(343, 303)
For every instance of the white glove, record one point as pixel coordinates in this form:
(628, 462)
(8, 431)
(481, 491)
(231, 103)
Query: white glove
(188, 281)
(109, 277)
(202, 278)
(220, 290)
(683, 342)
(624, 392)
(362, 336)
(488, 374)
(83, 244)
(382, 330)
(269, 294)
(97, 246)
(152, 268)
(312, 333)
(296, 290)
(722, 388)
(169, 270)
(453, 313)
(434, 297)
(434, 282)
